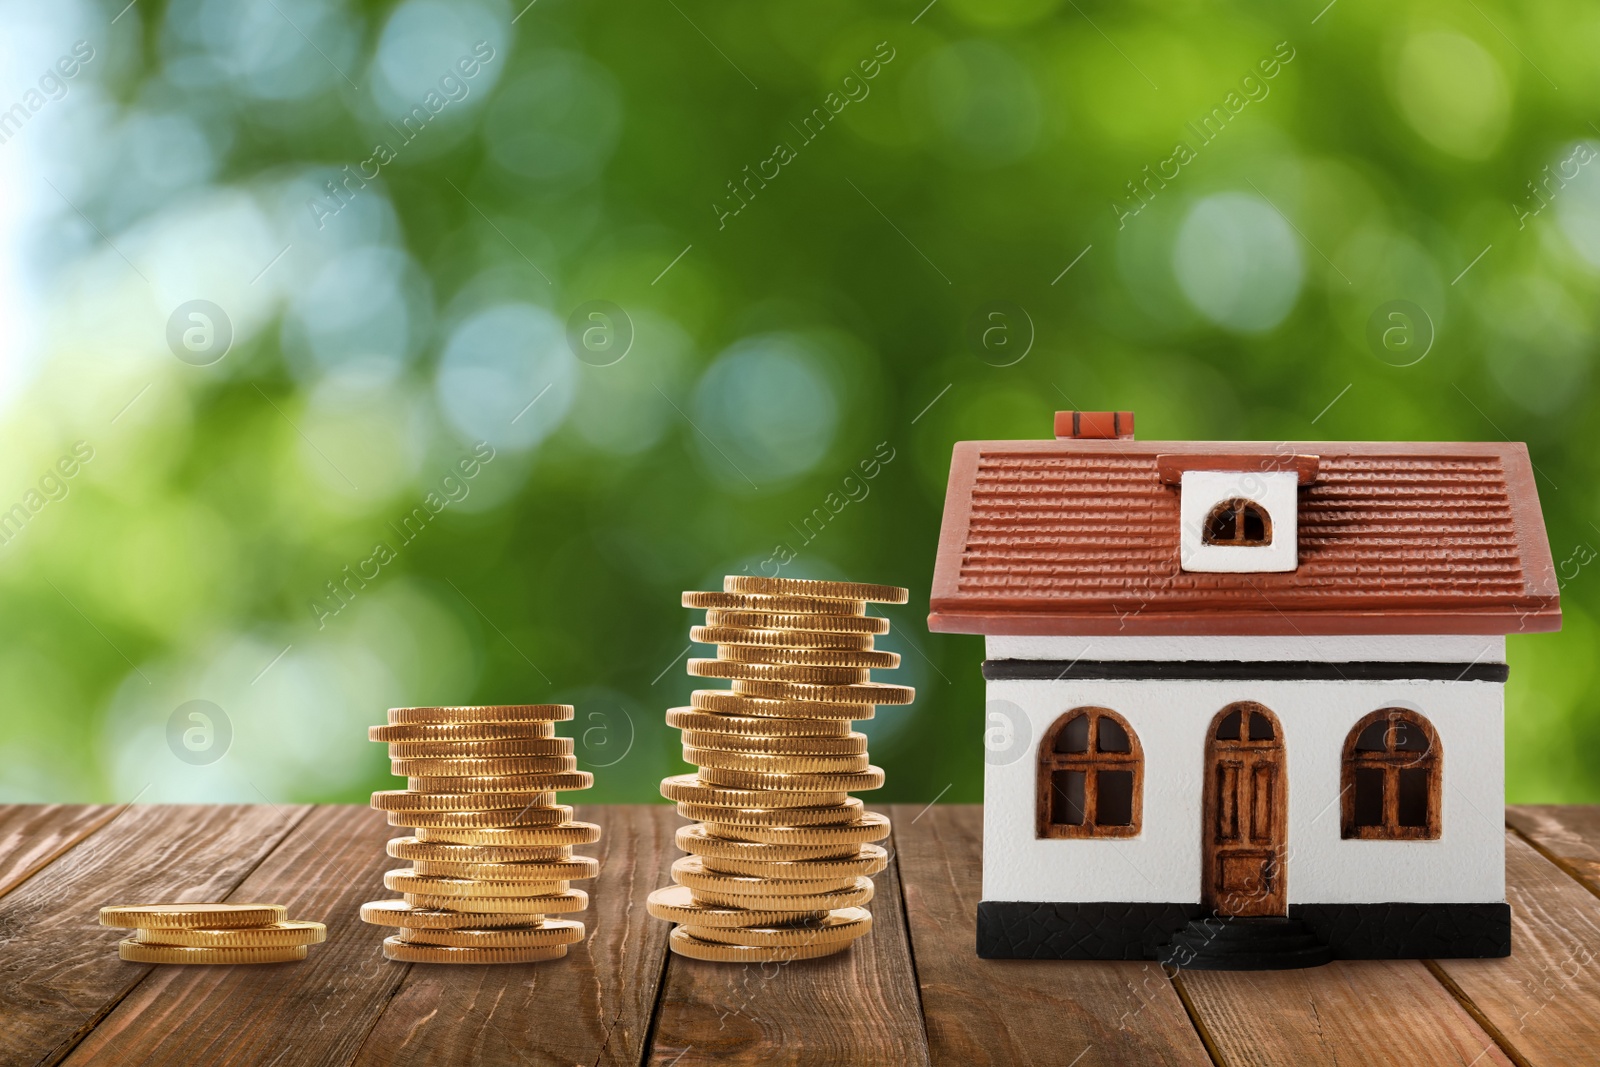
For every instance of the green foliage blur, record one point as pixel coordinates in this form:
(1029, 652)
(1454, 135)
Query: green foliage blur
(781, 234)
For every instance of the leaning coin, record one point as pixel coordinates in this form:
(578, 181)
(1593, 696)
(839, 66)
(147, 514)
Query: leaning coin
(522, 871)
(772, 620)
(871, 826)
(568, 834)
(857, 895)
(483, 713)
(466, 767)
(405, 880)
(549, 932)
(697, 841)
(195, 916)
(502, 749)
(744, 635)
(406, 952)
(771, 763)
(537, 816)
(755, 583)
(851, 744)
(727, 702)
(754, 815)
(682, 943)
(869, 860)
(688, 787)
(408, 800)
(757, 602)
(722, 720)
(808, 657)
(871, 778)
(554, 904)
(139, 952)
(502, 783)
(676, 903)
(465, 731)
(768, 672)
(404, 915)
(691, 871)
(844, 924)
(855, 693)
(276, 935)
(414, 848)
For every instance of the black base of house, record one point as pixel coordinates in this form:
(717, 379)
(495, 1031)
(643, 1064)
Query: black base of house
(1123, 931)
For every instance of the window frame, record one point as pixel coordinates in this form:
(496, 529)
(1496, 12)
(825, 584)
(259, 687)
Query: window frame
(1391, 761)
(1090, 762)
(1240, 506)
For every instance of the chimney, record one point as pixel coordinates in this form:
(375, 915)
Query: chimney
(1094, 425)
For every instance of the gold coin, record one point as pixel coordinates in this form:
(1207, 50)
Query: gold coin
(756, 602)
(139, 952)
(676, 903)
(409, 916)
(692, 789)
(727, 702)
(549, 932)
(523, 871)
(407, 881)
(554, 904)
(769, 763)
(412, 848)
(870, 827)
(807, 657)
(844, 924)
(852, 744)
(465, 731)
(744, 636)
(501, 783)
(697, 841)
(871, 778)
(702, 719)
(870, 860)
(754, 583)
(568, 834)
(774, 620)
(691, 871)
(276, 935)
(405, 952)
(855, 896)
(537, 817)
(483, 713)
(684, 944)
(862, 693)
(746, 815)
(517, 746)
(778, 672)
(194, 916)
(422, 768)
(411, 800)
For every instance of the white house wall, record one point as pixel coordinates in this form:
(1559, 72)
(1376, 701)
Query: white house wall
(1466, 864)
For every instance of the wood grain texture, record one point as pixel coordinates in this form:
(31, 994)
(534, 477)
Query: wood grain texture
(1022, 1012)
(59, 971)
(1348, 1012)
(32, 835)
(593, 1007)
(855, 1009)
(313, 1012)
(1567, 834)
(1545, 998)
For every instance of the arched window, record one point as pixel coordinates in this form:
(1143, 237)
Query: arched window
(1091, 776)
(1391, 778)
(1237, 522)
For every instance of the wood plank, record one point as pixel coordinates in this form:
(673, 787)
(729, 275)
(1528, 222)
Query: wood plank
(1567, 834)
(1020, 1011)
(32, 835)
(313, 1012)
(1350, 1011)
(1545, 999)
(59, 971)
(593, 1007)
(856, 1009)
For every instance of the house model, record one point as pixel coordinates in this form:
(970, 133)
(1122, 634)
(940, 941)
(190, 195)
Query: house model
(1244, 699)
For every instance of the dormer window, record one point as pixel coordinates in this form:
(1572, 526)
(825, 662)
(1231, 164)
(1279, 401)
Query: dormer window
(1237, 521)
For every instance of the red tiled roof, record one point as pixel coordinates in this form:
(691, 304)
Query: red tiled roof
(1081, 537)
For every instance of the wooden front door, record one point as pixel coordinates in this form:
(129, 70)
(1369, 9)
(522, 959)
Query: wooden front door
(1245, 813)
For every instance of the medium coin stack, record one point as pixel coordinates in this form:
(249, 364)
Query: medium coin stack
(491, 859)
(781, 859)
(211, 933)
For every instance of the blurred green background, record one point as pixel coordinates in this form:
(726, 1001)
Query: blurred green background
(802, 219)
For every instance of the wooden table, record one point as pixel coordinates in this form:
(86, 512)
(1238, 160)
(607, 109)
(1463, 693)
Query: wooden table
(911, 993)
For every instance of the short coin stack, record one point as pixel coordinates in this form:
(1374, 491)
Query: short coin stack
(492, 858)
(211, 933)
(782, 857)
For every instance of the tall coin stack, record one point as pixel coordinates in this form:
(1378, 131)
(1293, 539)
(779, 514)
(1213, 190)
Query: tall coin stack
(491, 859)
(780, 861)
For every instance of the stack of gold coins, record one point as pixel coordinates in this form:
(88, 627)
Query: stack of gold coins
(211, 933)
(782, 856)
(491, 859)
